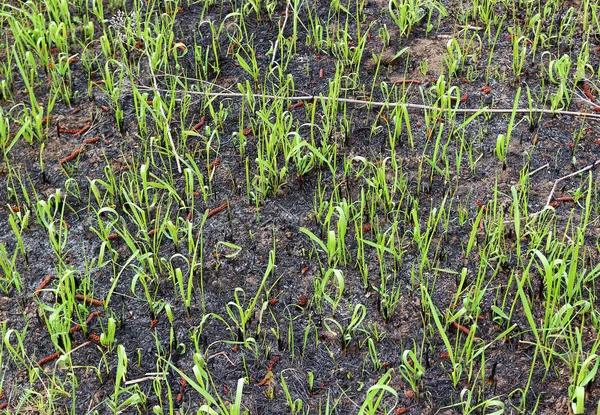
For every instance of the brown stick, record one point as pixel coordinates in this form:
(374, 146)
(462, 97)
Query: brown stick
(47, 359)
(82, 130)
(91, 140)
(89, 300)
(272, 363)
(265, 379)
(92, 316)
(67, 130)
(42, 285)
(461, 328)
(75, 329)
(71, 156)
(588, 93)
(216, 210)
(200, 124)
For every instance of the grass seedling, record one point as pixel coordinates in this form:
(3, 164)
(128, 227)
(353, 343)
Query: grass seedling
(241, 314)
(346, 333)
(375, 395)
(376, 180)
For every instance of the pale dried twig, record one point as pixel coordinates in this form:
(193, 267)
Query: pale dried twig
(539, 169)
(484, 110)
(221, 354)
(547, 205)
(586, 168)
(152, 376)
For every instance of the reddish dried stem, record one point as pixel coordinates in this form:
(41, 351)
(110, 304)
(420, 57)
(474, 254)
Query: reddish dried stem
(588, 93)
(92, 316)
(264, 381)
(269, 370)
(71, 156)
(272, 363)
(83, 129)
(67, 130)
(400, 411)
(461, 328)
(200, 124)
(217, 210)
(75, 328)
(89, 300)
(43, 285)
(91, 140)
(49, 358)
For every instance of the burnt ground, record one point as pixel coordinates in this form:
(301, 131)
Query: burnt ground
(291, 326)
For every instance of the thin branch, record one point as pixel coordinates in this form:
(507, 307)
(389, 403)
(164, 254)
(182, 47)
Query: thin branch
(591, 116)
(152, 376)
(586, 168)
(539, 169)
(221, 354)
(547, 205)
(144, 379)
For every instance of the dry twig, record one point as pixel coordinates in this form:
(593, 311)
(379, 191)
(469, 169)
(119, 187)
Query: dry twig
(312, 98)
(221, 354)
(586, 168)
